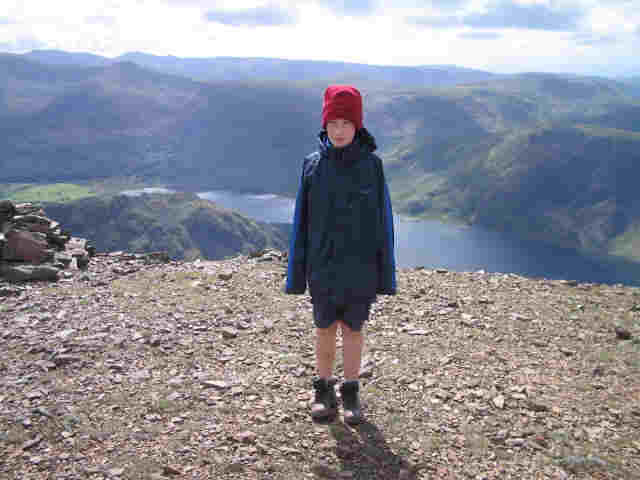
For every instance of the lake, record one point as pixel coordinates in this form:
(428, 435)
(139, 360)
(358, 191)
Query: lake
(433, 244)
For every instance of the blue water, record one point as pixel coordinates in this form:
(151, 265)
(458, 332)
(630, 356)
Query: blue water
(149, 190)
(266, 208)
(433, 244)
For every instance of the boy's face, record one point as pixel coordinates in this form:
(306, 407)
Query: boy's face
(341, 132)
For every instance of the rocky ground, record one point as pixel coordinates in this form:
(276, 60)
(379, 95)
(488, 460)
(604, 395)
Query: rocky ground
(138, 368)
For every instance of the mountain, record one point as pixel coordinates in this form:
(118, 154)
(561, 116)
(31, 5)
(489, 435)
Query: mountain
(180, 224)
(244, 137)
(307, 71)
(217, 69)
(634, 83)
(70, 122)
(27, 87)
(548, 157)
(80, 123)
(571, 184)
(558, 182)
(624, 117)
(59, 57)
(441, 130)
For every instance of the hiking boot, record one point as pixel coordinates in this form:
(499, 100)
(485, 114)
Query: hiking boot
(325, 403)
(351, 402)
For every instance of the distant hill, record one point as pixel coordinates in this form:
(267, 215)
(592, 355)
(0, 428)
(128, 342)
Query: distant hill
(81, 123)
(27, 86)
(216, 69)
(59, 57)
(624, 117)
(571, 185)
(548, 157)
(180, 224)
(634, 83)
(438, 131)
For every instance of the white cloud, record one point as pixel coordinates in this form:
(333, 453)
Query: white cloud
(352, 7)
(21, 44)
(593, 39)
(266, 16)
(549, 35)
(102, 19)
(497, 14)
(480, 35)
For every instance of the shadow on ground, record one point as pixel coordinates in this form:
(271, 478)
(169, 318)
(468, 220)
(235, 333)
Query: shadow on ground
(365, 454)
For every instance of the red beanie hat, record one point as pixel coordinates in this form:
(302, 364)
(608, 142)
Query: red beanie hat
(342, 101)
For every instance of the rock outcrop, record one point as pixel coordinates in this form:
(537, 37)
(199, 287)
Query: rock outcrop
(34, 247)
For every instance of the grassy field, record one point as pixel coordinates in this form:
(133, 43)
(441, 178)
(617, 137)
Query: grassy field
(69, 192)
(56, 192)
(627, 245)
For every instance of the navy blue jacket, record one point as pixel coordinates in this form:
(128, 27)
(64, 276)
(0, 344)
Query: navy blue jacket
(342, 243)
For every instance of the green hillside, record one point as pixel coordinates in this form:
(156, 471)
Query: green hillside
(57, 192)
(569, 185)
(122, 120)
(543, 156)
(180, 224)
(243, 137)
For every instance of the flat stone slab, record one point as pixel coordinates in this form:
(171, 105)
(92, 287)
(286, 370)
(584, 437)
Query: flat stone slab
(21, 273)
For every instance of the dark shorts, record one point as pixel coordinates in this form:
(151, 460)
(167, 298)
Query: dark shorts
(353, 315)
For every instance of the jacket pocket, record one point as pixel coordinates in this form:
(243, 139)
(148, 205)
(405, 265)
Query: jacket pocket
(365, 190)
(362, 195)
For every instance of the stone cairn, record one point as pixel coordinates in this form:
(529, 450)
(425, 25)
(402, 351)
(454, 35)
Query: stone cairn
(34, 247)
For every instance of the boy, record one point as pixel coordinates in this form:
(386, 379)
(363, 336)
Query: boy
(342, 244)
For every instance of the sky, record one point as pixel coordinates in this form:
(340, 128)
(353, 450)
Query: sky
(503, 36)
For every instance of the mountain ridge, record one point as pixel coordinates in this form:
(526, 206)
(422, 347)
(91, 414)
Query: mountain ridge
(265, 68)
(180, 224)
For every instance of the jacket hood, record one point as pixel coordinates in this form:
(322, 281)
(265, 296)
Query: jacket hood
(363, 142)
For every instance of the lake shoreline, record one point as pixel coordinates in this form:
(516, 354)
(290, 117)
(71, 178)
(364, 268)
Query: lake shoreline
(459, 246)
(434, 242)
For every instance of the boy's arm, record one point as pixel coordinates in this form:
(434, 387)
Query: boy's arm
(297, 261)
(386, 252)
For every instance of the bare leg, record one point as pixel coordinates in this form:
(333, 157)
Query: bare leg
(326, 350)
(352, 344)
